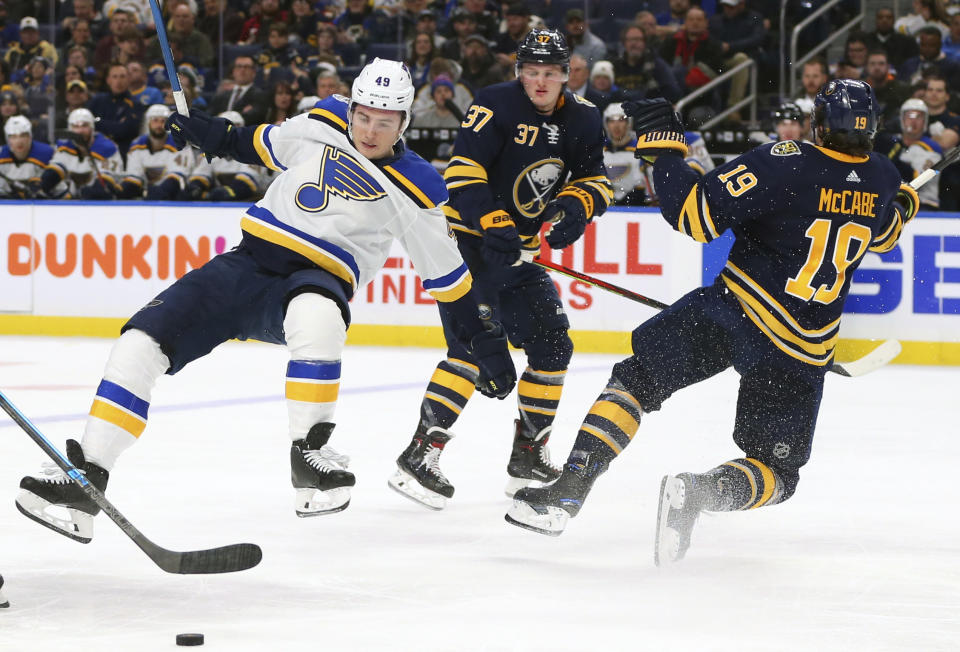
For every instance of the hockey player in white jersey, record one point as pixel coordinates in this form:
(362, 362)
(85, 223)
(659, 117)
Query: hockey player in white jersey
(224, 178)
(623, 168)
(22, 160)
(348, 188)
(87, 165)
(156, 169)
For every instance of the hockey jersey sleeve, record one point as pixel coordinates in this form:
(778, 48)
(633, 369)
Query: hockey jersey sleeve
(588, 175)
(900, 212)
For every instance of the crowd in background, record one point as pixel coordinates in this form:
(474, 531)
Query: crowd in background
(267, 60)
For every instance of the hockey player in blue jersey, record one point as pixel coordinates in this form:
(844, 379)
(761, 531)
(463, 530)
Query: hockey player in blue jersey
(529, 152)
(348, 187)
(773, 313)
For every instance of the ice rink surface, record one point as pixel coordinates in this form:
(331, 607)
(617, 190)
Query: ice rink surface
(866, 556)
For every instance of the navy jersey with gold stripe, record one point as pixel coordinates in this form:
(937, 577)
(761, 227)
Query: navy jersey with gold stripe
(508, 157)
(803, 216)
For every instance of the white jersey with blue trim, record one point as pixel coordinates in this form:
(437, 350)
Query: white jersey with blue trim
(223, 171)
(148, 168)
(31, 167)
(78, 171)
(335, 209)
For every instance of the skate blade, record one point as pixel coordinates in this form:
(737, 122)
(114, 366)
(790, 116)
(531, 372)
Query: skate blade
(666, 548)
(313, 502)
(406, 485)
(516, 484)
(544, 519)
(78, 527)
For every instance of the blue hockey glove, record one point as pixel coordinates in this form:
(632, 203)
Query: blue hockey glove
(501, 242)
(497, 373)
(659, 128)
(200, 129)
(221, 193)
(570, 219)
(96, 190)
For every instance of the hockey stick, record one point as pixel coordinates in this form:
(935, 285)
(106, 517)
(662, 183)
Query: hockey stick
(948, 159)
(872, 361)
(178, 96)
(227, 559)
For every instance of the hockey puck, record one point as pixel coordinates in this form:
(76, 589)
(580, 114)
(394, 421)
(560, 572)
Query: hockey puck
(189, 639)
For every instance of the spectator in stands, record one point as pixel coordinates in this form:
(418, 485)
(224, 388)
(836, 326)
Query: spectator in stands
(118, 118)
(8, 29)
(303, 23)
(9, 107)
(899, 47)
(913, 150)
(243, 96)
(326, 46)
(696, 57)
(488, 23)
(190, 84)
(517, 25)
(422, 52)
(930, 57)
(741, 35)
(77, 97)
(328, 83)
(139, 10)
(670, 22)
(926, 13)
(257, 28)
(194, 44)
(648, 23)
(278, 53)
(479, 67)
(39, 91)
(944, 128)
(463, 24)
(640, 72)
(29, 46)
(581, 40)
(156, 170)
(142, 93)
(359, 22)
(427, 24)
(439, 115)
(890, 91)
(283, 105)
(844, 69)
(83, 11)
(951, 44)
(78, 58)
(86, 165)
(130, 46)
(602, 84)
(82, 37)
(579, 81)
(120, 20)
(462, 96)
(403, 26)
(22, 160)
(208, 21)
(813, 76)
(855, 54)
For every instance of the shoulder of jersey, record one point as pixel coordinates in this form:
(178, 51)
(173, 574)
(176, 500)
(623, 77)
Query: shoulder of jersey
(418, 179)
(38, 150)
(331, 111)
(929, 143)
(578, 104)
(141, 142)
(505, 94)
(5, 152)
(103, 146)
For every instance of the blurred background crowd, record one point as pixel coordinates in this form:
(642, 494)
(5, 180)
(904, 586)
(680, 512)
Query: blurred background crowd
(83, 89)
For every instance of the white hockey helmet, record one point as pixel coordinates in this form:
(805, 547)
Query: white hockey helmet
(157, 111)
(307, 103)
(614, 111)
(384, 84)
(17, 125)
(232, 116)
(915, 104)
(81, 117)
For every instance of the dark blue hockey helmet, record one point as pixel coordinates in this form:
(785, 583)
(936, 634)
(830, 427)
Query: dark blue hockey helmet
(544, 46)
(846, 105)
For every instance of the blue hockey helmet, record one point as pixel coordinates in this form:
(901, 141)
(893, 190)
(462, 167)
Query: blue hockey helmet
(544, 46)
(846, 105)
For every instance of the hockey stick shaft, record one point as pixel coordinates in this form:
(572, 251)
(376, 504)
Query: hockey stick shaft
(178, 96)
(596, 282)
(227, 559)
(948, 159)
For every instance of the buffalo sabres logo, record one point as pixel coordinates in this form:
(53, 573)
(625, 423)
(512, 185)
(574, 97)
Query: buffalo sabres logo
(785, 148)
(532, 189)
(340, 175)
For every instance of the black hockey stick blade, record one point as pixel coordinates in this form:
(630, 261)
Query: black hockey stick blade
(228, 559)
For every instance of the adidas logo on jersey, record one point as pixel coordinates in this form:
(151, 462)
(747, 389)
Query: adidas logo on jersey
(852, 177)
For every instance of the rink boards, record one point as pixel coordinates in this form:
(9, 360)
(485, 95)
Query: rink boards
(80, 268)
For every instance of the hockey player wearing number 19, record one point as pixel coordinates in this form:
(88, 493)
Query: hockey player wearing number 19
(528, 153)
(348, 187)
(804, 216)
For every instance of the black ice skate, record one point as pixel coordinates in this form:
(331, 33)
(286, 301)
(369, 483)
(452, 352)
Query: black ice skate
(4, 603)
(677, 514)
(547, 509)
(418, 475)
(319, 474)
(52, 489)
(529, 460)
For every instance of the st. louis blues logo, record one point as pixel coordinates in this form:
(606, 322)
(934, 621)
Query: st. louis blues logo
(340, 175)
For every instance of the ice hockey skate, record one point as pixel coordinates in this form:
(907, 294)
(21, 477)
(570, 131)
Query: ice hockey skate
(547, 509)
(55, 501)
(418, 475)
(4, 603)
(676, 516)
(529, 460)
(319, 474)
